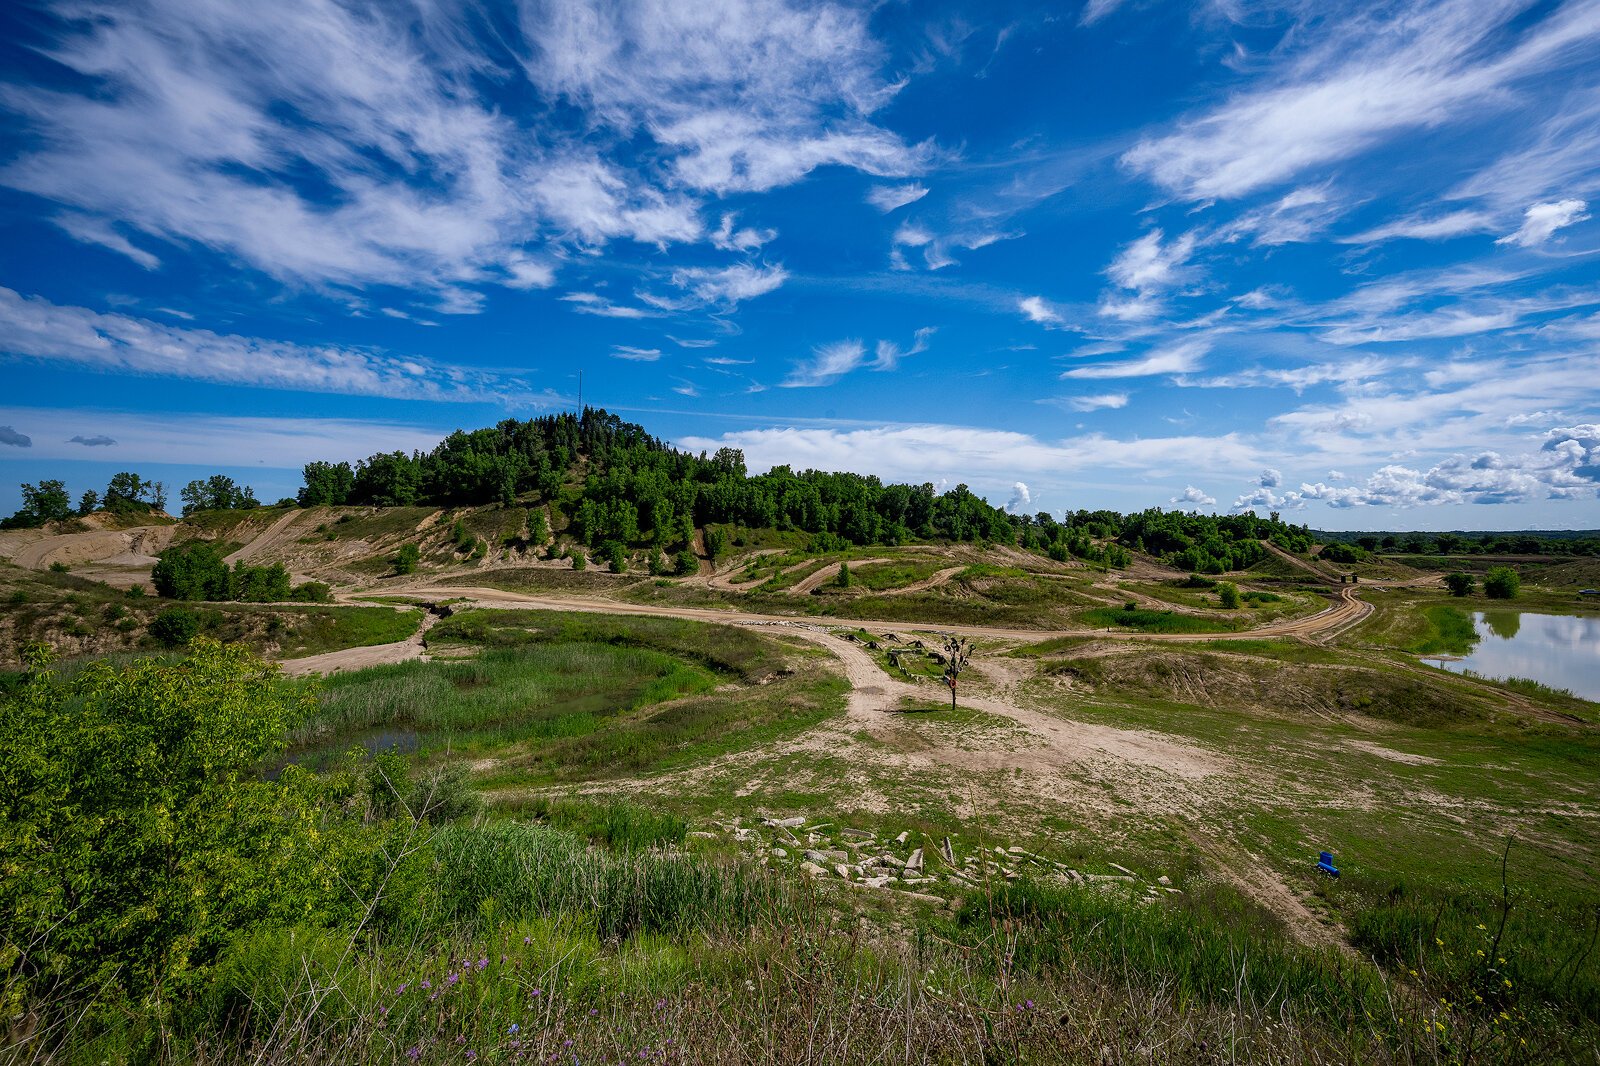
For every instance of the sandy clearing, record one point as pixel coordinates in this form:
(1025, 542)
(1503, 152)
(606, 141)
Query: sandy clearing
(825, 574)
(1389, 753)
(413, 647)
(77, 549)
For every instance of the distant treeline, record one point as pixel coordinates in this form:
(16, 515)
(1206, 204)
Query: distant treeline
(619, 488)
(618, 485)
(1519, 542)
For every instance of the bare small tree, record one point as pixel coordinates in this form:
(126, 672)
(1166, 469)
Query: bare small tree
(956, 651)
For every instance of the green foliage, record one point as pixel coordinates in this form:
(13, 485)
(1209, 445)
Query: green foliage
(216, 493)
(686, 563)
(312, 592)
(196, 571)
(579, 560)
(1342, 553)
(843, 580)
(176, 626)
(59, 567)
(1228, 595)
(1501, 583)
(658, 564)
(1449, 632)
(326, 484)
(716, 544)
(193, 571)
(45, 502)
(617, 558)
(1459, 583)
(405, 560)
(88, 503)
(126, 494)
(618, 824)
(1153, 621)
(134, 839)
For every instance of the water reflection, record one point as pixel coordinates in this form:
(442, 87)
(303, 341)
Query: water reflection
(1559, 650)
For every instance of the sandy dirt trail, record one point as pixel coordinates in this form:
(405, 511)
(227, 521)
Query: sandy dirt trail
(266, 539)
(413, 647)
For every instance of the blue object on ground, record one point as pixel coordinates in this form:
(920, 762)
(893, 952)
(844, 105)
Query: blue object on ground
(1325, 864)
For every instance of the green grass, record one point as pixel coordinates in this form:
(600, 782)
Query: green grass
(314, 630)
(541, 692)
(1449, 632)
(879, 577)
(1150, 621)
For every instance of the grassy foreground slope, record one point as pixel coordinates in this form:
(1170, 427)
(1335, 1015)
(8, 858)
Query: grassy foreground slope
(587, 836)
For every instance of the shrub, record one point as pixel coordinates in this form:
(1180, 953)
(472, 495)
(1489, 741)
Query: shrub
(59, 567)
(312, 592)
(579, 562)
(176, 626)
(618, 558)
(843, 580)
(1228, 594)
(1501, 583)
(405, 560)
(658, 565)
(686, 563)
(193, 571)
(1459, 584)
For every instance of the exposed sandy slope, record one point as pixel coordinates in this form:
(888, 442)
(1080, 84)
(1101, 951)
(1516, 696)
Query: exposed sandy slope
(828, 573)
(413, 647)
(77, 549)
(268, 538)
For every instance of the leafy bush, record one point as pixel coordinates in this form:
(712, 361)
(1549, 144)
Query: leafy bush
(1459, 584)
(176, 626)
(405, 560)
(1501, 583)
(312, 592)
(1228, 595)
(686, 563)
(193, 571)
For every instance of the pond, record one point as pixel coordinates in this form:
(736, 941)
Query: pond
(1559, 650)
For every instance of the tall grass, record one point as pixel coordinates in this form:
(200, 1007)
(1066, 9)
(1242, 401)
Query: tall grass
(541, 691)
(1150, 621)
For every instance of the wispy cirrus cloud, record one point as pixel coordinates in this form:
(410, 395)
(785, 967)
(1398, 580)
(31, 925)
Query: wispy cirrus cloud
(1368, 78)
(1182, 357)
(1540, 222)
(34, 328)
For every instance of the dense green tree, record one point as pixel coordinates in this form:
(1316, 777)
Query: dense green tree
(1459, 584)
(89, 502)
(405, 560)
(685, 563)
(258, 584)
(216, 493)
(193, 571)
(175, 626)
(392, 479)
(1501, 583)
(1228, 595)
(126, 492)
(326, 484)
(45, 502)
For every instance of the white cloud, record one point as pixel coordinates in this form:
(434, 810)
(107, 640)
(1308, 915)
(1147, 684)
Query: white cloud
(692, 342)
(729, 286)
(592, 303)
(223, 440)
(635, 355)
(1270, 478)
(1540, 222)
(1037, 310)
(744, 96)
(829, 363)
(1108, 401)
(745, 239)
(344, 145)
(1358, 82)
(1095, 10)
(888, 354)
(1194, 497)
(1020, 498)
(934, 452)
(1180, 358)
(32, 327)
(887, 198)
(1147, 263)
(1428, 227)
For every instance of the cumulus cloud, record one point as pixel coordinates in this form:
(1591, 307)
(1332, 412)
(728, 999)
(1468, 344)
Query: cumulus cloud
(1020, 499)
(1540, 222)
(887, 198)
(32, 327)
(11, 437)
(1270, 478)
(100, 441)
(1194, 497)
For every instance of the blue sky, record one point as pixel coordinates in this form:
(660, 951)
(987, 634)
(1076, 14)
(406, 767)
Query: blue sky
(1339, 262)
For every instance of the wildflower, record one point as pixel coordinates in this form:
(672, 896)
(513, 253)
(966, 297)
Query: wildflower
(452, 979)
(427, 984)
(471, 1055)
(514, 1028)
(537, 992)
(483, 962)
(401, 990)
(527, 940)
(414, 1053)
